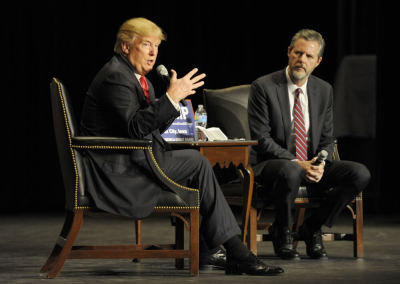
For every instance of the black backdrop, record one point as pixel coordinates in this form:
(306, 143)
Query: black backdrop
(233, 43)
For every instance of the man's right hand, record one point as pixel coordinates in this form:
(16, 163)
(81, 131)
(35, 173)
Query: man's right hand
(179, 89)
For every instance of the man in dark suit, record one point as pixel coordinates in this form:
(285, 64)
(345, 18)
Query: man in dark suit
(121, 102)
(290, 114)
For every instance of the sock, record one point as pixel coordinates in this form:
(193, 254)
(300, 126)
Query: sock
(236, 249)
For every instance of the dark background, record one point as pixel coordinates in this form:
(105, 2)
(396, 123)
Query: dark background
(233, 43)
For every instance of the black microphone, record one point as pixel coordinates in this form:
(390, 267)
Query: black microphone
(322, 155)
(163, 73)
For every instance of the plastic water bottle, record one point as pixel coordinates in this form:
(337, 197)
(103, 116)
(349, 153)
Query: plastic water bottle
(200, 117)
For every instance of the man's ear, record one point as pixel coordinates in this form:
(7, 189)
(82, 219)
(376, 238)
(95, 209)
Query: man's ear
(319, 61)
(288, 51)
(125, 47)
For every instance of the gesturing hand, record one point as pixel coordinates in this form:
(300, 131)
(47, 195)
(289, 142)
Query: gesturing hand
(179, 89)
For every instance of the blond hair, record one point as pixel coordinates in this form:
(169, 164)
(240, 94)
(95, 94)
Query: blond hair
(135, 27)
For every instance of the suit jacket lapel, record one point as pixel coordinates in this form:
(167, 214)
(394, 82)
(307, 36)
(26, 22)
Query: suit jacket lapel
(151, 91)
(312, 104)
(137, 83)
(142, 96)
(283, 98)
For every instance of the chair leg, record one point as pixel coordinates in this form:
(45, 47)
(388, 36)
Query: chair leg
(248, 184)
(138, 230)
(138, 236)
(194, 242)
(55, 262)
(358, 229)
(299, 219)
(179, 241)
(252, 239)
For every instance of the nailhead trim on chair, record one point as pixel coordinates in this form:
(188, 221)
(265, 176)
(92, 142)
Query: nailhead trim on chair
(176, 184)
(105, 147)
(70, 147)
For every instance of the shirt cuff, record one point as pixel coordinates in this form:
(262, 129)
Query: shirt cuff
(176, 106)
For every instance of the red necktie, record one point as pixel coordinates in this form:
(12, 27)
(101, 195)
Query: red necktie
(300, 129)
(145, 87)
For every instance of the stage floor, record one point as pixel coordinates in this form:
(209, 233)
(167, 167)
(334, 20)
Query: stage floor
(27, 239)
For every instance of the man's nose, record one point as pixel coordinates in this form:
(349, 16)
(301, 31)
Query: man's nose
(302, 57)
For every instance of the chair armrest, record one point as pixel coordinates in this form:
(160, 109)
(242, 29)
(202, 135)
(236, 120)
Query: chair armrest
(95, 142)
(179, 145)
(189, 196)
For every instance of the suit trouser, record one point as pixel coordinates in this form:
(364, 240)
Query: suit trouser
(341, 182)
(188, 167)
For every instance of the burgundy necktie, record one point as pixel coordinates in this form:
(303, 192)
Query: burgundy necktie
(300, 129)
(145, 87)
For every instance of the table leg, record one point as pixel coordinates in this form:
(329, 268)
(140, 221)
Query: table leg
(248, 182)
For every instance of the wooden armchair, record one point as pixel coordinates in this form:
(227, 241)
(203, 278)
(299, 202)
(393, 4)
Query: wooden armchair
(227, 109)
(70, 150)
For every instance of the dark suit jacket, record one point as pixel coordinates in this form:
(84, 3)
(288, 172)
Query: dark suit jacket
(115, 105)
(269, 117)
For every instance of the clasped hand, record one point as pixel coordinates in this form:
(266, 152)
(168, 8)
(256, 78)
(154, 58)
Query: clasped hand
(179, 89)
(313, 172)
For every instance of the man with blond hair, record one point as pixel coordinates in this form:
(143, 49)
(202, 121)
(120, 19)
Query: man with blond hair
(121, 102)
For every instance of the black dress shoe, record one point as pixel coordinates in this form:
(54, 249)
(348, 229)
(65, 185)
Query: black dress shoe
(314, 246)
(251, 265)
(282, 241)
(216, 260)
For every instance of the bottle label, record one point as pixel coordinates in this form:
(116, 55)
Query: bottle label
(201, 118)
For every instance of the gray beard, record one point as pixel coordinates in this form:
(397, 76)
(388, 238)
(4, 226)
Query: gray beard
(298, 76)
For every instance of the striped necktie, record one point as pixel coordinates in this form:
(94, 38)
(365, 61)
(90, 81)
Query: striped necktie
(299, 128)
(145, 87)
